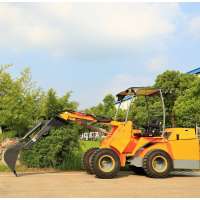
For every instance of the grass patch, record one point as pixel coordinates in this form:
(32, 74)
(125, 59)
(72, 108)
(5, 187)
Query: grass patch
(85, 145)
(3, 168)
(74, 162)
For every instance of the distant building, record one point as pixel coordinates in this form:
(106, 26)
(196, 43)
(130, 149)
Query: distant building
(195, 71)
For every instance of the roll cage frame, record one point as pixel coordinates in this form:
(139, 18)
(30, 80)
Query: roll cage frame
(133, 92)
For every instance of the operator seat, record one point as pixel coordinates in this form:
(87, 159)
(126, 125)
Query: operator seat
(152, 129)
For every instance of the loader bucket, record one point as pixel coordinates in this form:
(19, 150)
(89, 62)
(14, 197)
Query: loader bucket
(10, 155)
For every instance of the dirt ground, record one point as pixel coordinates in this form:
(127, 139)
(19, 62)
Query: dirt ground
(79, 184)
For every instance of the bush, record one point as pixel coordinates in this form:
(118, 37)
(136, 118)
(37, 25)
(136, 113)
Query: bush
(60, 149)
(85, 145)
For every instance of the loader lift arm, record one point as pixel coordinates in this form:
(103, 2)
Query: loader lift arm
(10, 155)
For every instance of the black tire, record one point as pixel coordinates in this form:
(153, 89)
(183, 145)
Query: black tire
(137, 170)
(101, 161)
(87, 159)
(151, 163)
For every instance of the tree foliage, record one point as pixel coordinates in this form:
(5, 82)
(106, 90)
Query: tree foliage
(19, 103)
(55, 149)
(105, 109)
(22, 105)
(173, 85)
(54, 104)
(187, 106)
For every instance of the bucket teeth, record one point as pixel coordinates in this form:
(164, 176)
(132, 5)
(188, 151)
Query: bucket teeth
(15, 173)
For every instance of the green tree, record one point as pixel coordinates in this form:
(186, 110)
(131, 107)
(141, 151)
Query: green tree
(22, 103)
(173, 84)
(66, 103)
(105, 109)
(19, 102)
(109, 105)
(54, 104)
(138, 112)
(187, 106)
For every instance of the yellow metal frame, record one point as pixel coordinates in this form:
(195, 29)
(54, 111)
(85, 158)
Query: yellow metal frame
(179, 143)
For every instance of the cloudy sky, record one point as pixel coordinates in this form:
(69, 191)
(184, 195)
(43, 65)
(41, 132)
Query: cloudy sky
(99, 48)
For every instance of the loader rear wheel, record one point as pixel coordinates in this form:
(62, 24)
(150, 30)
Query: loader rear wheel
(87, 160)
(157, 164)
(105, 163)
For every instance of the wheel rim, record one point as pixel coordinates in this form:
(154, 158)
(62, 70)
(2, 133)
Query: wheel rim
(159, 164)
(106, 163)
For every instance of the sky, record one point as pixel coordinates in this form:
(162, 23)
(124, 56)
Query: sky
(93, 49)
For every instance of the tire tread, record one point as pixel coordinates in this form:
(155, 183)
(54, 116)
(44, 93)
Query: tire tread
(149, 172)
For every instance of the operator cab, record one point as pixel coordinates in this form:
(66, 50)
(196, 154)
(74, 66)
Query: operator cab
(154, 125)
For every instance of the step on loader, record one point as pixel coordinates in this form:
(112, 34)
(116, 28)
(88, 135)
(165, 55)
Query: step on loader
(150, 149)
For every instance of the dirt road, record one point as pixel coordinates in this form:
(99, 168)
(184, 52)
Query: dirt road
(79, 184)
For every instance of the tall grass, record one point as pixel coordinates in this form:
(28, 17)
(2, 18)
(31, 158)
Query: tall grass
(74, 162)
(3, 168)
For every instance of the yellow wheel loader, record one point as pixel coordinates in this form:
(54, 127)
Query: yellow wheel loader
(152, 149)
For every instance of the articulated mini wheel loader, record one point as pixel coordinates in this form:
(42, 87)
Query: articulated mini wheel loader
(152, 149)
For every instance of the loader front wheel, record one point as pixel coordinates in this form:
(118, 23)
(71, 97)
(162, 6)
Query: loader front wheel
(105, 164)
(87, 160)
(157, 164)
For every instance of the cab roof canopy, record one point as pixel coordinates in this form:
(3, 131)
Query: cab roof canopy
(138, 91)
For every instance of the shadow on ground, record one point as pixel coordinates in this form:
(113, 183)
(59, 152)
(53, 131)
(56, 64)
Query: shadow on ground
(121, 174)
(172, 175)
(21, 174)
